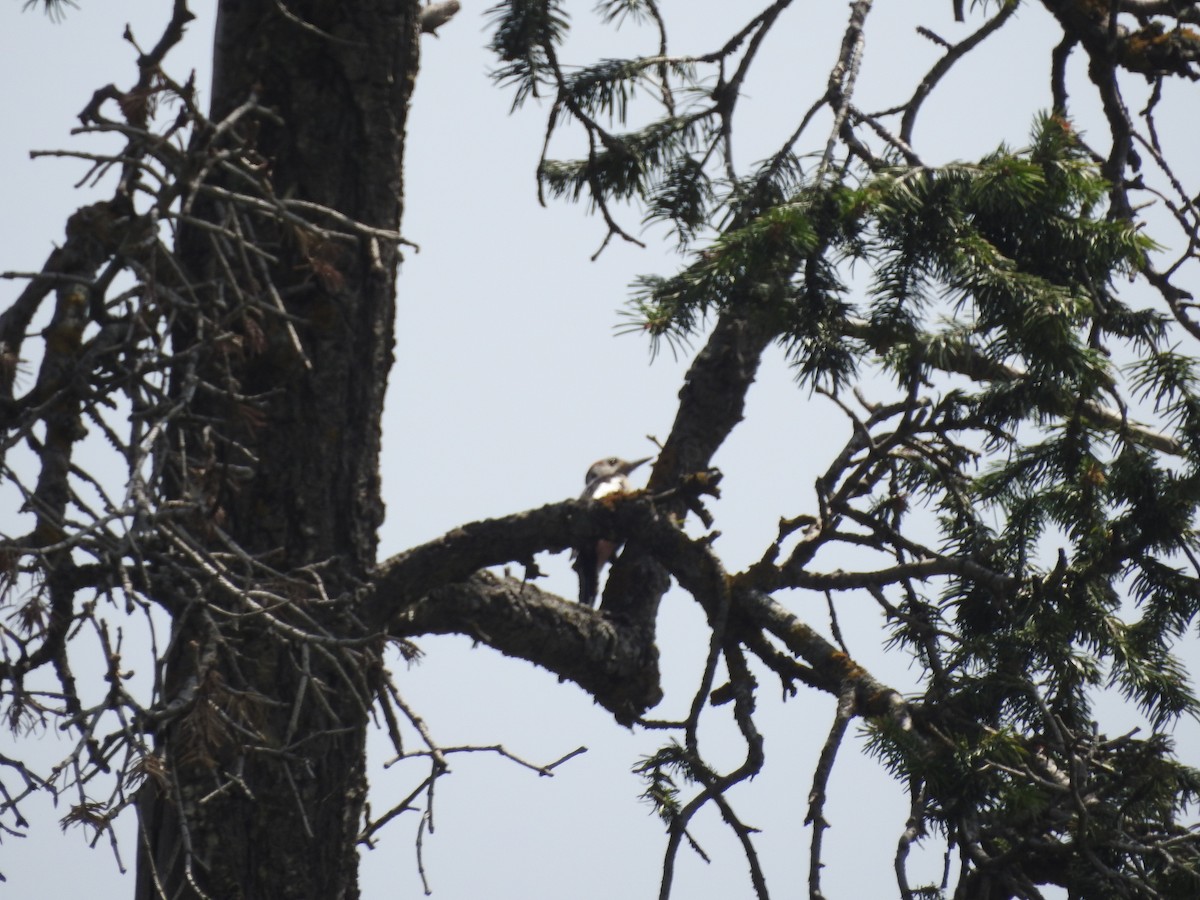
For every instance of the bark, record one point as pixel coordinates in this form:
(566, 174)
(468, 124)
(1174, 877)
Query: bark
(262, 790)
(711, 404)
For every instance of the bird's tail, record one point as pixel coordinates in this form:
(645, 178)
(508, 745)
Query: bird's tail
(589, 577)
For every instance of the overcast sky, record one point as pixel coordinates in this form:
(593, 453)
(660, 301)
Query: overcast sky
(509, 381)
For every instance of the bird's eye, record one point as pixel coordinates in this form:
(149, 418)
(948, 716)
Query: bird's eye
(612, 460)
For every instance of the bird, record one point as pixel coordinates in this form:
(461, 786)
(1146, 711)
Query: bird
(604, 478)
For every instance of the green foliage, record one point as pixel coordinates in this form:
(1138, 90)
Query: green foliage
(625, 163)
(660, 772)
(1124, 787)
(606, 88)
(773, 268)
(684, 198)
(1016, 248)
(525, 33)
(985, 296)
(1003, 272)
(618, 11)
(55, 9)
(1013, 242)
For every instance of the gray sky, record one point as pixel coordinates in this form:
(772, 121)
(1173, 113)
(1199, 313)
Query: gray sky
(508, 382)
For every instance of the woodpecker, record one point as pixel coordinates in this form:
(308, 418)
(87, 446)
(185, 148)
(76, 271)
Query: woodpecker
(604, 478)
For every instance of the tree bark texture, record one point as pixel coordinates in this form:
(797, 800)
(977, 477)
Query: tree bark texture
(263, 784)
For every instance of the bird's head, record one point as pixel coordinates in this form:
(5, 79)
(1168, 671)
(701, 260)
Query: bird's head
(610, 466)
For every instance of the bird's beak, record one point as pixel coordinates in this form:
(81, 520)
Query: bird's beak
(630, 466)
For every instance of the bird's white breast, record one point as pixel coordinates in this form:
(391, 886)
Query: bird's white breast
(604, 487)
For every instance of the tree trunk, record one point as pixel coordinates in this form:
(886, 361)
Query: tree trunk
(262, 784)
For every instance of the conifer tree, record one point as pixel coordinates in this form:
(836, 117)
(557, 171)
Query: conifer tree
(1014, 354)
